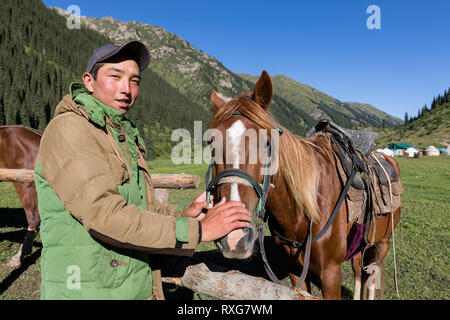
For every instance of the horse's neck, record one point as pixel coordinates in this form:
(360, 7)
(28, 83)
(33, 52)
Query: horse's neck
(281, 204)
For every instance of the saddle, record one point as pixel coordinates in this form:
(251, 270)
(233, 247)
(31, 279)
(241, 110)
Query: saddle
(376, 188)
(344, 144)
(384, 185)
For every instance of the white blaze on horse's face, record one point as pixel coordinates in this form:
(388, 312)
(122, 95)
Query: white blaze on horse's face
(235, 135)
(238, 244)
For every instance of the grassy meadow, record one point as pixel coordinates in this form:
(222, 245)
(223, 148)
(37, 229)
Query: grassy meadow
(422, 238)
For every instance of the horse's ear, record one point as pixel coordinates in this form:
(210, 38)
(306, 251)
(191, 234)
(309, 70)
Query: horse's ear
(263, 92)
(216, 101)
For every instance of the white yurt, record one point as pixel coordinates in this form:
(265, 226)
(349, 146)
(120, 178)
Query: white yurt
(446, 152)
(431, 151)
(410, 152)
(386, 151)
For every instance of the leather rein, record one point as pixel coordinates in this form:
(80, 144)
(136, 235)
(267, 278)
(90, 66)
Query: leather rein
(262, 190)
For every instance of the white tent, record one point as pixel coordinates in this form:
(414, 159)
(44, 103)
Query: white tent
(410, 152)
(431, 151)
(386, 151)
(446, 152)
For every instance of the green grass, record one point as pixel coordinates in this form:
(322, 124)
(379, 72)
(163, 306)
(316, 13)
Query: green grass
(422, 237)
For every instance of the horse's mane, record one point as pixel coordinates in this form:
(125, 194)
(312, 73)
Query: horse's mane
(297, 164)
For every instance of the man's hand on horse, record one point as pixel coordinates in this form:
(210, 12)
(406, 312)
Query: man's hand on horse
(199, 207)
(223, 218)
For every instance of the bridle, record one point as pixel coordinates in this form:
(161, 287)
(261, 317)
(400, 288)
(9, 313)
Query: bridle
(239, 176)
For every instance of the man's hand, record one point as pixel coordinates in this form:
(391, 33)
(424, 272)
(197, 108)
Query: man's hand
(195, 209)
(224, 218)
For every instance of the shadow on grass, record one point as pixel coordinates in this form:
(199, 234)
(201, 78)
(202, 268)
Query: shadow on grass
(17, 236)
(15, 220)
(16, 273)
(13, 217)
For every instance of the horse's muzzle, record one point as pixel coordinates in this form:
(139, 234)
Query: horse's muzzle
(238, 244)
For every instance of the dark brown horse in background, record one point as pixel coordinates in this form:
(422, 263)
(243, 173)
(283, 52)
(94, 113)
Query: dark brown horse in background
(306, 187)
(19, 147)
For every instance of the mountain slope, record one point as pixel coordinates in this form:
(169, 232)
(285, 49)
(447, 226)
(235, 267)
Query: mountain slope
(40, 57)
(433, 128)
(194, 74)
(319, 105)
(191, 71)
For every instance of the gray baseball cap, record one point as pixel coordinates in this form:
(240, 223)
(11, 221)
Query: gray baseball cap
(134, 48)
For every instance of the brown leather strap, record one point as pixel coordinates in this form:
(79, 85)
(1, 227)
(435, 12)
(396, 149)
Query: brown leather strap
(272, 276)
(307, 257)
(306, 260)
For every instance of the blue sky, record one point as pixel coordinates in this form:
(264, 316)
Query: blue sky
(324, 44)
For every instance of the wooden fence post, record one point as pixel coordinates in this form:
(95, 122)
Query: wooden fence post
(162, 195)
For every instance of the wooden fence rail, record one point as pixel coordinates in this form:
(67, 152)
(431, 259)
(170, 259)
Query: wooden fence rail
(165, 181)
(161, 182)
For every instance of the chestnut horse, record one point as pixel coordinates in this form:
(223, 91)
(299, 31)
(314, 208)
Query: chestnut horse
(304, 189)
(19, 147)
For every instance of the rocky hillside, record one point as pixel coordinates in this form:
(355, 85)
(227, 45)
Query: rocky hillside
(38, 62)
(320, 105)
(194, 74)
(191, 71)
(432, 128)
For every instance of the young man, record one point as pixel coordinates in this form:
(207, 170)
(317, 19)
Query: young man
(101, 226)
